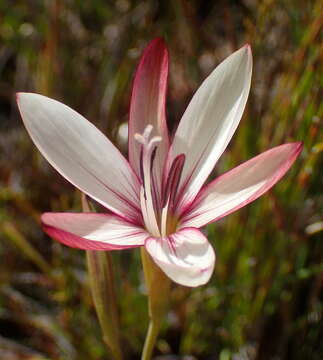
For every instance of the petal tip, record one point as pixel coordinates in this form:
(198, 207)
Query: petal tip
(246, 53)
(246, 48)
(249, 50)
(295, 148)
(20, 95)
(300, 145)
(298, 148)
(25, 97)
(44, 217)
(158, 41)
(156, 48)
(21, 98)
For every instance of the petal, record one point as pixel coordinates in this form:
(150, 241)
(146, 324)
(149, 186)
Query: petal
(92, 231)
(185, 256)
(241, 185)
(81, 153)
(148, 102)
(210, 120)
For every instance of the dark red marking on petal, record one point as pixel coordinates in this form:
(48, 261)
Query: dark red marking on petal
(173, 179)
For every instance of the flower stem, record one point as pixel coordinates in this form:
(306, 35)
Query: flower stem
(102, 283)
(151, 337)
(158, 287)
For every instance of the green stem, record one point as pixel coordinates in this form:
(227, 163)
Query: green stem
(151, 339)
(158, 287)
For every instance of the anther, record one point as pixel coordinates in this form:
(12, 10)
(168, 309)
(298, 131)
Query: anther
(147, 131)
(140, 138)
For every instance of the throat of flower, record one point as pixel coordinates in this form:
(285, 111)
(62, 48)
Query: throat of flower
(170, 189)
(158, 201)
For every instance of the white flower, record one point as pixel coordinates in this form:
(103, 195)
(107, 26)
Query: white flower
(157, 199)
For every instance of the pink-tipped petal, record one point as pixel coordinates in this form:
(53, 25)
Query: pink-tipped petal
(92, 231)
(210, 120)
(148, 102)
(186, 256)
(241, 185)
(81, 153)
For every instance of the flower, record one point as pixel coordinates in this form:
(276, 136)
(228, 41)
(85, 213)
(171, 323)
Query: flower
(157, 199)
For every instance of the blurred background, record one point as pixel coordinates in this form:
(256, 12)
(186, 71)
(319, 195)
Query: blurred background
(265, 298)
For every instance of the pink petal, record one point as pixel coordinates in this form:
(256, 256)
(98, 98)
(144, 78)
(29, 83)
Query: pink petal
(148, 102)
(210, 120)
(241, 185)
(185, 256)
(92, 231)
(81, 153)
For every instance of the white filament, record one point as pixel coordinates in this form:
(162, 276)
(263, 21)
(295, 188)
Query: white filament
(164, 220)
(146, 197)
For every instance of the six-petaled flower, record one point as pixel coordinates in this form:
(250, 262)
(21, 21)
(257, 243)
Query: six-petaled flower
(158, 199)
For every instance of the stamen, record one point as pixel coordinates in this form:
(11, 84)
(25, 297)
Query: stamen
(163, 226)
(139, 138)
(155, 189)
(152, 143)
(147, 131)
(157, 204)
(148, 214)
(148, 192)
(141, 168)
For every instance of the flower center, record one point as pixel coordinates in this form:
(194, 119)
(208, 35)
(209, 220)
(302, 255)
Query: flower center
(157, 198)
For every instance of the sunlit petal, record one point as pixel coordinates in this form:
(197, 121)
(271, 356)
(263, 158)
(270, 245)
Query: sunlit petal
(91, 231)
(81, 153)
(148, 103)
(185, 256)
(211, 119)
(241, 185)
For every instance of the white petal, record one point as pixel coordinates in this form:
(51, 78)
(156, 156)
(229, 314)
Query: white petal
(147, 107)
(211, 119)
(243, 184)
(148, 100)
(92, 231)
(81, 153)
(185, 256)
